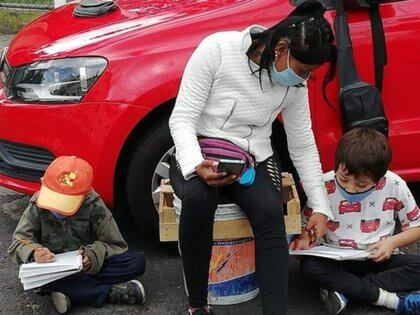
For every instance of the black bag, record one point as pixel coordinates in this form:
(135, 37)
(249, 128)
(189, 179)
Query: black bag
(361, 103)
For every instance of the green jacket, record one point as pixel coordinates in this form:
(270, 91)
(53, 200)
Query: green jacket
(92, 228)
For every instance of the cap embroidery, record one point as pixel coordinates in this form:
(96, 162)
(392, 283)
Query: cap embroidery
(67, 179)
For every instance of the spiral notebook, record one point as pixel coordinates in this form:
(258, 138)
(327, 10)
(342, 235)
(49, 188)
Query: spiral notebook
(331, 252)
(34, 275)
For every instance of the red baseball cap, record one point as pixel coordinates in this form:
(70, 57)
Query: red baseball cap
(65, 184)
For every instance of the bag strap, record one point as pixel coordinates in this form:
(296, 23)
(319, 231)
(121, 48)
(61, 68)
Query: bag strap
(379, 44)
(346, 66)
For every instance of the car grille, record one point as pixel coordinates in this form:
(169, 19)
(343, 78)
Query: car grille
(23, 161)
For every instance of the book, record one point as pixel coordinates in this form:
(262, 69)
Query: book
(333, 252)
(34, 275)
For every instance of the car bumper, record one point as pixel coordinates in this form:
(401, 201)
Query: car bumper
(93, 131)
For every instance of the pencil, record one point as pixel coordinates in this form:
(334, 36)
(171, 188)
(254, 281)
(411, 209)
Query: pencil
(26, 243)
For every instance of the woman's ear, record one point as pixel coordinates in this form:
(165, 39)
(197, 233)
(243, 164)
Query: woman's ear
(281, 49)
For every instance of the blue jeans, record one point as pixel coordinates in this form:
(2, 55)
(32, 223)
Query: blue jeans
(83, 289)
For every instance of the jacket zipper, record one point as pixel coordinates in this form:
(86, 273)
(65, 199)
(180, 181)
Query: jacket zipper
(231, 113)
(250, 126)
(281, 104)
(247, 139)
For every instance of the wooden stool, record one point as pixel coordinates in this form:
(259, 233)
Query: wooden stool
(232, 229)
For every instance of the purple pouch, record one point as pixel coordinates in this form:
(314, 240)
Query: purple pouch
(216, 149)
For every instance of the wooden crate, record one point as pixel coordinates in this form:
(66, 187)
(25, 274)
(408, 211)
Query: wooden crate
(239, 228)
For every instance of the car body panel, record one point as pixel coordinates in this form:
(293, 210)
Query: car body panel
(147, 48)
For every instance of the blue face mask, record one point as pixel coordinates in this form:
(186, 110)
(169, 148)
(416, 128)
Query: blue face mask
(354, 197)
(286, 77)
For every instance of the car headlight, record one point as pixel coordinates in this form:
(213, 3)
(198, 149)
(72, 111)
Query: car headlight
(2, 61)
(59, 80)
(3, 57)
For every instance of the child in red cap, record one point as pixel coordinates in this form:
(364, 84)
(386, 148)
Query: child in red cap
(65, 215)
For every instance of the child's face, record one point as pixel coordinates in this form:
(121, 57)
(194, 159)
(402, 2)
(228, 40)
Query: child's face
(353, 184)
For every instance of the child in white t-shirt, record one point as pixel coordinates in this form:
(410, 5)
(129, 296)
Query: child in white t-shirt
(366, 200)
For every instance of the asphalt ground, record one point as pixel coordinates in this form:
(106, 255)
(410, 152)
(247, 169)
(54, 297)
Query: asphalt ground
(163, 279)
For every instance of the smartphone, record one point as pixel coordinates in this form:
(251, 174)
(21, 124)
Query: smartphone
(231, 167)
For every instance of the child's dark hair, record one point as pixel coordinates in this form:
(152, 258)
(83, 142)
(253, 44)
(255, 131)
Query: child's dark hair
(364, 151)
(310, 38)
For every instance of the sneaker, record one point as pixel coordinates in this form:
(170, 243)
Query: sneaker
(409, 304)
(131, 292)
(201, 311)
(334, 302)
(61, 302)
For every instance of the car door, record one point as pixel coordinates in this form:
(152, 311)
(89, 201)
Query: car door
(401, 86)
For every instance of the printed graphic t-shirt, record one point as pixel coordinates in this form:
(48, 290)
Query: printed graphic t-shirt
(359, 224)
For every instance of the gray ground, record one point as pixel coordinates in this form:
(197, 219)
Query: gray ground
(163, 278)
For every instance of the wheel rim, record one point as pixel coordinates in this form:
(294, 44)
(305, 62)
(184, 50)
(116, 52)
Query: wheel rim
(161, 172)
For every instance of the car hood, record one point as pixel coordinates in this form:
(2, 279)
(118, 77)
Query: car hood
(59, 34)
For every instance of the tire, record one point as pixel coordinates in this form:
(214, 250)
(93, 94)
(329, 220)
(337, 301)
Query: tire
(152, 145)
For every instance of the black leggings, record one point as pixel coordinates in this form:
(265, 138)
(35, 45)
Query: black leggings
(262, 203)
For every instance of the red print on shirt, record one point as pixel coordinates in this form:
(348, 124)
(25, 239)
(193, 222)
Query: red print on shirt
(349, 207)
(348, 243)
(405, 226)
(331, 186)
(392, 204)
(413, 214)
(380, 184)
(369, 226)
(333, 225)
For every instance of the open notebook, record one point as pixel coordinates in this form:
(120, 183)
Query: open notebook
(336, 253)
(34, 275)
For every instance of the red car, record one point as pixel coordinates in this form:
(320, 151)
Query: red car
(392, 204)
(333, 225)
(369, 226)
(413, 214)
(102, 88)
(348, 243)
(349, 207)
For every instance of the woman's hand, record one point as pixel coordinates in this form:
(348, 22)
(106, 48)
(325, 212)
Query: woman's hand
(207, 171)
(318, 220)
(382, 250)
(43, 255)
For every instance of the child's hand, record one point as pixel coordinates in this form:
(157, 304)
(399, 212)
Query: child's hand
(382, 250)
(43, 255)
(301, 242)
(86, 260)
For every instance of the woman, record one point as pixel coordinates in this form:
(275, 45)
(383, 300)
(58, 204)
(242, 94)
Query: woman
(234, 86)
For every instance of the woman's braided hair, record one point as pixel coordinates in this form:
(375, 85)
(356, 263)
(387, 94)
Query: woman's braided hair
(310, 38)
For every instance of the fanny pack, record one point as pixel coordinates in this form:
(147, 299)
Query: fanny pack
(216, 149)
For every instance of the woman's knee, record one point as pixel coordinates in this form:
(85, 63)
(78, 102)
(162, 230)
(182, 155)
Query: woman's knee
(199, 199)
(269, 218)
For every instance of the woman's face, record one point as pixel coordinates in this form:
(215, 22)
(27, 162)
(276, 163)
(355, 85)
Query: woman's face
(301, 69)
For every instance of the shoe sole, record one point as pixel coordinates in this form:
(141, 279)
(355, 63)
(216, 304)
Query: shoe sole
(327, 297)
(61, 302)
(141, 289)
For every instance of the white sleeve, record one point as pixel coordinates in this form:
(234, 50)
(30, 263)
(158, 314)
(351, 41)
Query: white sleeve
(195, 87)
(304, 153)
(406, 207)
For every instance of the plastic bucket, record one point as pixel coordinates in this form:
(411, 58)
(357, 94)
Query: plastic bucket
(232, 277)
